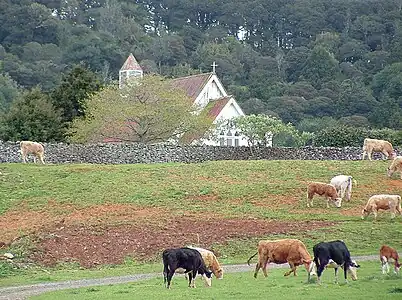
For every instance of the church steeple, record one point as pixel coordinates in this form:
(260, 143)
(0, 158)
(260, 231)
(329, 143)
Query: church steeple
(130, 69)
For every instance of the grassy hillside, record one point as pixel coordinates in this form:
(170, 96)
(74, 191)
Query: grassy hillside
(107, 214)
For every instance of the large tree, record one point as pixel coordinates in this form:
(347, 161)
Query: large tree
(32, 117)
(147, 110)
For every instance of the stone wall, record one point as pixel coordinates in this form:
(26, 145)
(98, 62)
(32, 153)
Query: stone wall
(126, 153)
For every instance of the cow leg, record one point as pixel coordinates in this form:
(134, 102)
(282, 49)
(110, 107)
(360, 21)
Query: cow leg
(264, 268)
(169, 277)
(309, 200)
(369, 155)
(336, 275)
(292, 270)
(345, 271)
(34, 159)
(328, 202)
(375, 214)
(320, 269)
(384, 264)
(41, 159)
(364, 155)
(257, 268)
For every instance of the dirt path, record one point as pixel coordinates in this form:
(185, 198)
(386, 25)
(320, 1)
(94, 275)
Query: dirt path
(23, 292)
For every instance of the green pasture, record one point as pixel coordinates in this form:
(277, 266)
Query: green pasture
(371, 284)
(267, 190)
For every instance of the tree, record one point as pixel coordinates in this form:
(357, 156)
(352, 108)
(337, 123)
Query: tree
(71, 94)
(147, 110)
(32, 117)
(260, 129)
(8, 92)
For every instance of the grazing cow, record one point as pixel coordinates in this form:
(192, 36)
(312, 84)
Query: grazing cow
(343, 185)
(396, 166)
(336, 251)
(290, 251)
(188, 259)
(384, 202)
(210, 261)
(387, 253)
(323, 189)
(27, 147)
(373, 145)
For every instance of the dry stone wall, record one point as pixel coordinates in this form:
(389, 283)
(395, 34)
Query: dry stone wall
(129, 153)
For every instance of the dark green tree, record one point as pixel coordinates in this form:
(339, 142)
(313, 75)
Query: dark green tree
(32, 116)
(70, 96)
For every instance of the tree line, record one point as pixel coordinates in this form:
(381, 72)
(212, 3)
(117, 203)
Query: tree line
(313, 63)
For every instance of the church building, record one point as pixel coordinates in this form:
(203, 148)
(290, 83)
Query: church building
(207, 92)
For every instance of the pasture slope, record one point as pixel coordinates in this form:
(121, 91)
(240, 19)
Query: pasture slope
(82, 216)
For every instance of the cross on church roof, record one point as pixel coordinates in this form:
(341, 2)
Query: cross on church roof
(214, 65)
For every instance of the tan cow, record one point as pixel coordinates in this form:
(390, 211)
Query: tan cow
(387, 253)
(290, 251)
(323, 189)
(374, 145)
(396, 166)
(384, 202)
(210, 261)
(28, 147)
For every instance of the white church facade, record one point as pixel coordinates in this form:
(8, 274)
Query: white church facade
(208, 93)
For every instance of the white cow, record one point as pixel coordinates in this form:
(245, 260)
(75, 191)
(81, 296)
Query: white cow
(343, 185)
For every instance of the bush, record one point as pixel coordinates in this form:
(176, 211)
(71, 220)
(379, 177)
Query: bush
(345, 136)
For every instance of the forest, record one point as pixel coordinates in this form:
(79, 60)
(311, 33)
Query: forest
(314, 63)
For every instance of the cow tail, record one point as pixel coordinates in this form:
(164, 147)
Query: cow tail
(248, 262)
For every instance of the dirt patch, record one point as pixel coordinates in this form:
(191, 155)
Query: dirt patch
(276, 201)
(22, 221)
(99, 244)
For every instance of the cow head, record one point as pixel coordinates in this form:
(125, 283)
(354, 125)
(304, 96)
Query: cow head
(218, 273)
(207, 277)
(338, 202)
(365, 213)
(352, 270)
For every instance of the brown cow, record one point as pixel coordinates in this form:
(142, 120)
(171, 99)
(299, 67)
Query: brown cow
(323, 189)
(387, 253)
(28, 147)
(290, 251)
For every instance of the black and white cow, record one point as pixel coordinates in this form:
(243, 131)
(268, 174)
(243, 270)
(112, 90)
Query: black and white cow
(334, 254)
(188, 259)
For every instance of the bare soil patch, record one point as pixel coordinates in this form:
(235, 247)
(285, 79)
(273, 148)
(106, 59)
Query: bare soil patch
(100, 244)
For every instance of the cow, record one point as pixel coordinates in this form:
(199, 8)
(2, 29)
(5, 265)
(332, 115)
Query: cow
(374, 145)
(384, 202)
(396, 166)
(291, 251)
(387, 253)
(210, 261)
(28, 147)
(323, 189)
(343, 185)
(188, 259)
(336, 251)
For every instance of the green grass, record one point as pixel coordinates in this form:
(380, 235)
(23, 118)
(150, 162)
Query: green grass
(245, 189)
(371, 284)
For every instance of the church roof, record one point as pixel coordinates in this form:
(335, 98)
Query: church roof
(193, 84)
(131, 64)
(214, 107)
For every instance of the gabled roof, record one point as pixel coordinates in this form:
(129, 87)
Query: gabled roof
(131, 64)
(214, 107)
(193, 84)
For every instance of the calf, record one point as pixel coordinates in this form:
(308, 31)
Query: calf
(290, 251)
(343, 185)
(336, 251)
(28, 147)
(387, 253)
(323, 189)
(396, 166)
(384, 202)
(188, 259)
(373, 145)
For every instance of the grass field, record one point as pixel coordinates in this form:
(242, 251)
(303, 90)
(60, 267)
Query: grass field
(59, 210)
(371, 284)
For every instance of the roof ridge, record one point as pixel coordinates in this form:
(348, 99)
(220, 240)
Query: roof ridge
(194, 75)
